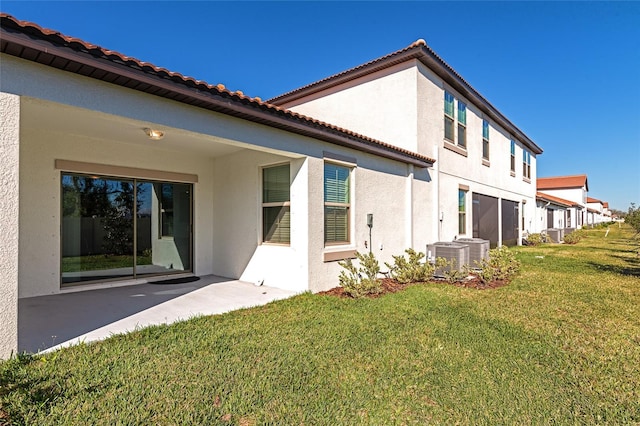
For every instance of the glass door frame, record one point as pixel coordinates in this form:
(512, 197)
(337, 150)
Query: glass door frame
(134, 231)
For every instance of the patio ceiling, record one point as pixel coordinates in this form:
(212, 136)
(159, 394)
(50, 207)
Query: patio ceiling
(47, 116)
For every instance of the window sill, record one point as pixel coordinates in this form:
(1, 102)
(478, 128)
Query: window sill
(513, 174)
(526, 179)
(332, 256)
(486, 162)
(270, 244)
(455, 148)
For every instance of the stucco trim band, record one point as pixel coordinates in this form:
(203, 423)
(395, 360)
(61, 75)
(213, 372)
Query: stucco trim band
(121, 171)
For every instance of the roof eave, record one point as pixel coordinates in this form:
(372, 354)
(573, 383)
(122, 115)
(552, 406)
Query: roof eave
(426, 56)
(226, 103)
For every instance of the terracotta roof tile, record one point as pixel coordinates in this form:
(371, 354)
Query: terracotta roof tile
(555, 200)
(593, 200)
(562, 182)
(8, 22)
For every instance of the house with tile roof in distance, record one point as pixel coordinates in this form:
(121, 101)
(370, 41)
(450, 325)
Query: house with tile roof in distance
(551, 212)
(485, 170)
(572, 188)
(598, 212)
(116, 172)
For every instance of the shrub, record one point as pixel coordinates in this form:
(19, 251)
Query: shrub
(573, 238)
(534, 239)
(501, 265)
(361, 281)
(412, 269)
(447, 269)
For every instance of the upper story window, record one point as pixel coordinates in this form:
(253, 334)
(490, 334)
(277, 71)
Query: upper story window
(526, 164)
(448, 116)
(276, 205)
(513, 157)
(337, 205)
(455, 111)
(485, 139)
(462, 124)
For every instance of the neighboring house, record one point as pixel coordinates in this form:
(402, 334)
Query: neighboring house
(571, 188)
(606, 212)
(485, 172)
(551, 212)
(115, 170)
(596, 211)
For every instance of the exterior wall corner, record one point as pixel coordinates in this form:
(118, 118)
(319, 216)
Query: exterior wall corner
(9, 218)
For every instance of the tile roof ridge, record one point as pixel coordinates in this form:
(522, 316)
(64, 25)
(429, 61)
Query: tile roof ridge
(418, 44)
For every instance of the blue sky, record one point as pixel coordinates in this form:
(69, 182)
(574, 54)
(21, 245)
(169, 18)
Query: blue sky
(566, 73)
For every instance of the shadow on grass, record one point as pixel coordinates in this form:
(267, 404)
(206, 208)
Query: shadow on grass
(632, 268)
(28, 391)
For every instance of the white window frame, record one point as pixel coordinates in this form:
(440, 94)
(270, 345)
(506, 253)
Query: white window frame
(274, 204)
(349, 205)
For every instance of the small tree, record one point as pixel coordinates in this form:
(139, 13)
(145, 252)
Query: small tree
(633, 218)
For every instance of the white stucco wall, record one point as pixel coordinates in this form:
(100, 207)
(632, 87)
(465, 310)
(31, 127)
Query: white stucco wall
(40, 198)
(9, 221)
(227, 206)
(387, 98)
(404, 105)
(577, 195)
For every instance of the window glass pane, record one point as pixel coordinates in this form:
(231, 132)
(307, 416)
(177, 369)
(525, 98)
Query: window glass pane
(462, 113)
(276, 224)
(166, 209)
(485, 149)
(336, 183)
(485, 129)
(275, 184)
(336, 224)
(97, 228)
(462, 135)
(462, 209)
(513, 148)
(448, 128)
(448, 104)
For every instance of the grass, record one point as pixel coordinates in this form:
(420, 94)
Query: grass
(560, 344)
(101, 261)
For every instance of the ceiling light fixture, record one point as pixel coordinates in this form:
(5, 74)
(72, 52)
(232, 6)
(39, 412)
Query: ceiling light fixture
(154, 134)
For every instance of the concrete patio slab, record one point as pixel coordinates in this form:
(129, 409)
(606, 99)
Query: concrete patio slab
(47, 323)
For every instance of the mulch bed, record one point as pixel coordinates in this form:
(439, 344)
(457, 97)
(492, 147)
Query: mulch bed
(391, 286)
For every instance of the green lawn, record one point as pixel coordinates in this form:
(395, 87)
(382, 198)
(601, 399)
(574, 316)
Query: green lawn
(100, 262)
(559, 345)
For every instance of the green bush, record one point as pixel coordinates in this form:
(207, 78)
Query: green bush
(412, 269)
(361, 281)
(534, 239)
(573, 238)
(501, 265)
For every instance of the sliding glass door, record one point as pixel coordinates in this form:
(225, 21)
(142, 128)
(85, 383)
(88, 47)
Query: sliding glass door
(115, 228)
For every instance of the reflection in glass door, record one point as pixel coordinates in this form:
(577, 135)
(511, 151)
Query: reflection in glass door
(163, 228)
(101, 216)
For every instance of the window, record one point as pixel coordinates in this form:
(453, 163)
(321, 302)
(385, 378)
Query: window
(166, 209)
(448, 116)
(462, 124)
(513, 157)
(123, 228)
(462, 211)
(336, 203)
(276, 210)
(485, 139)
(526, 164)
